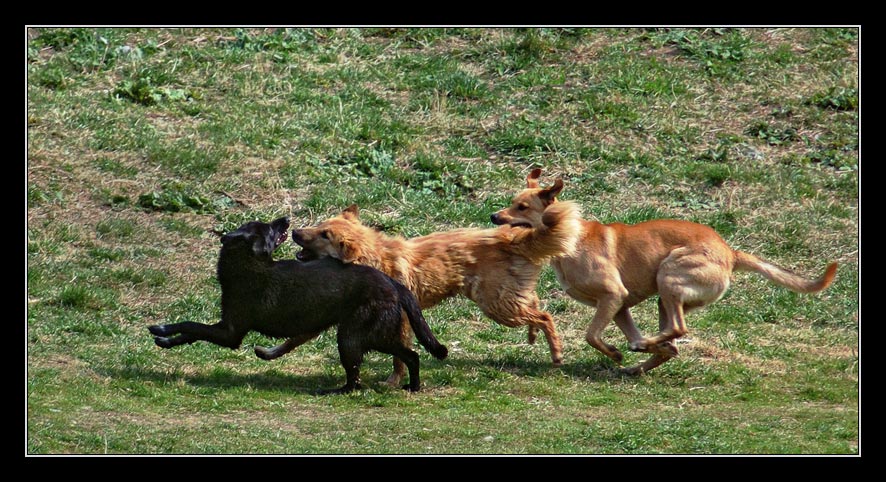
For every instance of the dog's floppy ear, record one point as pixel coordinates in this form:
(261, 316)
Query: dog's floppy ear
(532, 178)
(351, 212)
(549, 195)
(348, 252)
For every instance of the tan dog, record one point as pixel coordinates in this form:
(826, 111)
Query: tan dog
(496, 268)
(615, 266)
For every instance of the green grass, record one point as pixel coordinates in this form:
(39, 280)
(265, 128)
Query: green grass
(144, 144)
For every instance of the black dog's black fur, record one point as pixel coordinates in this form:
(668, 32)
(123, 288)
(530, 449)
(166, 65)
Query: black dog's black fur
(300, 300)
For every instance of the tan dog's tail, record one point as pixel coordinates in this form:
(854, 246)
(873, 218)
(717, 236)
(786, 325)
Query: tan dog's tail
(779, 276)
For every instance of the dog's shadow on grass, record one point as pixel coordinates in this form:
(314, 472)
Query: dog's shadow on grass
(272, 380)
(374, 372)
(594, 370)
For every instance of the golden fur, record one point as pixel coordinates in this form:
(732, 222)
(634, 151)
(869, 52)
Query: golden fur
(615, 266)
(497, 268)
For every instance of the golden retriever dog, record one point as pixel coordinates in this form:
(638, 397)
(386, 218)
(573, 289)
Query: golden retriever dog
(615, 266)
(496, 268)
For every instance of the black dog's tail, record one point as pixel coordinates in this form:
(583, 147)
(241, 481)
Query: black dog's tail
(417, 322)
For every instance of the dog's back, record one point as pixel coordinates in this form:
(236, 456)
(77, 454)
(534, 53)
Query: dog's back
(315, 295)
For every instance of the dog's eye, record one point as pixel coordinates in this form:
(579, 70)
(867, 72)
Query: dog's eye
(522, 207)
(324, 234)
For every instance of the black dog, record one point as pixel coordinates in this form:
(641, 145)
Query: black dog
(300, 300)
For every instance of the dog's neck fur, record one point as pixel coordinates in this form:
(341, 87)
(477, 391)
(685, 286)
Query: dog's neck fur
(402, 258)
(232, 266)
(558, 237)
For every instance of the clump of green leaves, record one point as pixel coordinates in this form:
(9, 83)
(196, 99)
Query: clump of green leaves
(143, 91)
(52, 76)
(280, 42)
(773, 135)
(81, 49)
(368, 161)
(836, 98)
(431, 175)
(718, 49)
(835, 158)
(176, 198)
(713, 174)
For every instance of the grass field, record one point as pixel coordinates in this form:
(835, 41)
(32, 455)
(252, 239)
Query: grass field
(144, 144)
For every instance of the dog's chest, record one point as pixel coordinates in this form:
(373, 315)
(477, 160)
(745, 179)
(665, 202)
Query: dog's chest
(583, 277)
(559, 271)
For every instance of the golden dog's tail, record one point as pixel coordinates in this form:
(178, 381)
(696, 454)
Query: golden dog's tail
(782, 277)
(558, 236)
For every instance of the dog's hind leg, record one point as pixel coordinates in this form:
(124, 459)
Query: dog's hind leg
(662, 352)
(399, 370)
(285, 347)
(411, 360)
(547, 326)
(351, 355)
(525, 312)
(540, 320)
(672, 324)
(531, 335)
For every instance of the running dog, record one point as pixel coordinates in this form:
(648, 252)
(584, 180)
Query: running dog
(615, 266)
(496, 268)
(299, 301)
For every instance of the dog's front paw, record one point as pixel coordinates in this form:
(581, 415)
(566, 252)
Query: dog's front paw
(163, 342)
(158, 330)
(639, 346)
(633, 371)
(667, 349)
(337, 391)
(264, 353)
(409, 388)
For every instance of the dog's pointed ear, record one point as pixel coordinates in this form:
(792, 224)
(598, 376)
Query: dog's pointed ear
(351, 212)
(259, 246)
(227, 238)
(532, 178)
(549, 195)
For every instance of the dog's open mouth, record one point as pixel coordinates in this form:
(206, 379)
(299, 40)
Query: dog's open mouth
(281, 239)
(305, 254)
(280, 226)
(521, 225)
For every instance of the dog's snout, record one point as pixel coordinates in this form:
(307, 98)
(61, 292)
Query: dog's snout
(495, 218)
(297, 237)
(281, 223)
